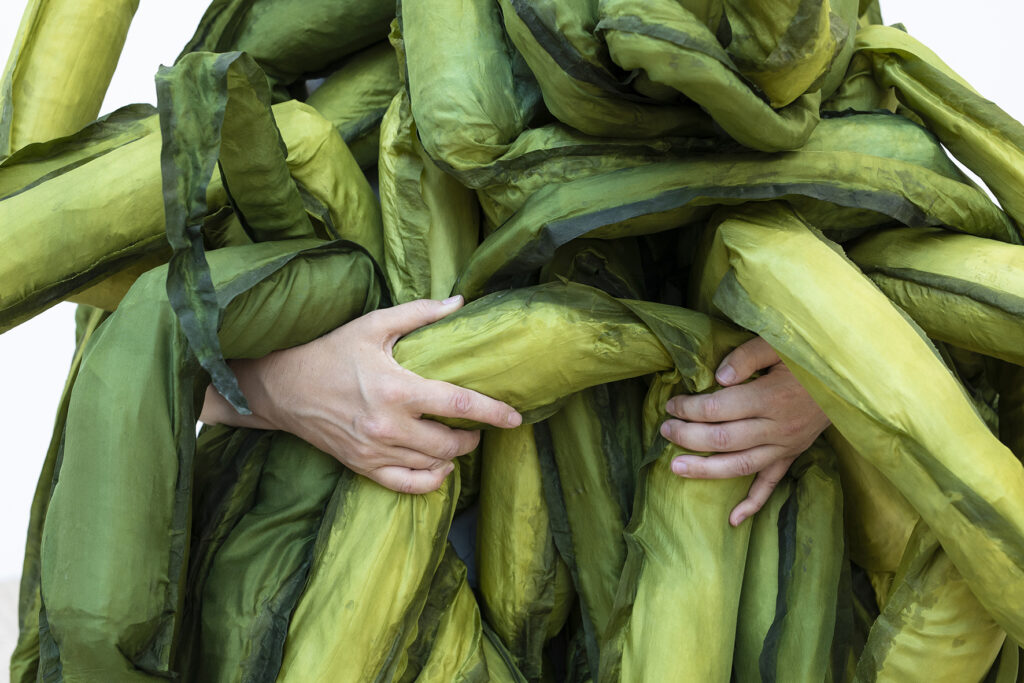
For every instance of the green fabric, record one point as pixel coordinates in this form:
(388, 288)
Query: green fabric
(431, 222)
(577, 80)
(294, 38)
(60, 65)
(684, 565)
(355, 97)
(960, 289)
(470, 94)
(127, 626)
(517, 563)
(104, 183)
(973, 506)
(933, 611)
(977, 131)
(833, 173)
(678, 50)
(798, 644)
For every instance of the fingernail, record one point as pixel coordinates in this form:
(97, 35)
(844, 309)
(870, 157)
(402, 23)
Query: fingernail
(452, 300)
(664, 429)
(726, 374)
(679, 467)
(515, 419)
(449, 468)
(669, 404)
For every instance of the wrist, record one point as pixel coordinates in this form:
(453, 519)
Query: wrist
(252, 377)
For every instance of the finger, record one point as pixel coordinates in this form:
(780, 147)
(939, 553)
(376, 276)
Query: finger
(746, 359)
(397, 321)
(442, 399)
(727, 465)
(718, 437)
(731, 403)
(405, 480)
(760, 491)
(437, 441)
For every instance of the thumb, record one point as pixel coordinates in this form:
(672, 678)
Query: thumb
(402, 319)
(746, 359)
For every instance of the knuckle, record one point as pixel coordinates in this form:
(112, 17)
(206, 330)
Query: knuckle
(745, 465)
(710, 407)
(407, 485)
(719, 438)
(460, 402)
(376, 429)
(422, 307)
(451, 449)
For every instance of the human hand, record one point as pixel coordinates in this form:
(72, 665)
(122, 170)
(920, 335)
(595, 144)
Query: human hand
(754, 427)
(345, 394)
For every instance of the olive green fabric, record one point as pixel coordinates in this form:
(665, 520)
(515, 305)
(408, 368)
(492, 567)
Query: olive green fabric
(470, 94)
(212, 110)
(431, 222)
(25, 658)
(960, 289)
(98, 618)
(973, 506)
(931, 614)
(792, 47)
(837, 170)
(59, 68)
(355, 97)
(759, 594)
(580, 85)
(524, 586)
(677, 604)
(294, 38)
(674, 48)
(977, 131)
(798, 645)
(105, 183)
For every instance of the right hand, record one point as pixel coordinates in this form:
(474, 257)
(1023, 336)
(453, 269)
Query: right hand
(345, 394)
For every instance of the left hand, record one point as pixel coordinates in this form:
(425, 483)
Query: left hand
(754, 427)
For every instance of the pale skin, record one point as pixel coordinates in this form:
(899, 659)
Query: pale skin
(345, 394)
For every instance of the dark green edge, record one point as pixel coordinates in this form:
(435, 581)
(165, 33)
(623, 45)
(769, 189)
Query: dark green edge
(569, 60)
(107, 127)
(216, 29)
(503, 652)
(390, 667)
(618, 463)
(351, 131)
(632, 570)
(842, 635)
(553, 234)
(499, 172)
(242, 471)
(630, 23)
(443, 589)
(768, 661)
(56, 173)
(561, 530)
(735, 302)
(1004, 301)
(6, 100)
(882, 636)
(188, 271)
(45, 298)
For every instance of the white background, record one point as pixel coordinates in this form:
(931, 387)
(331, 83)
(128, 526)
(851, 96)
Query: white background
(980, 40)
